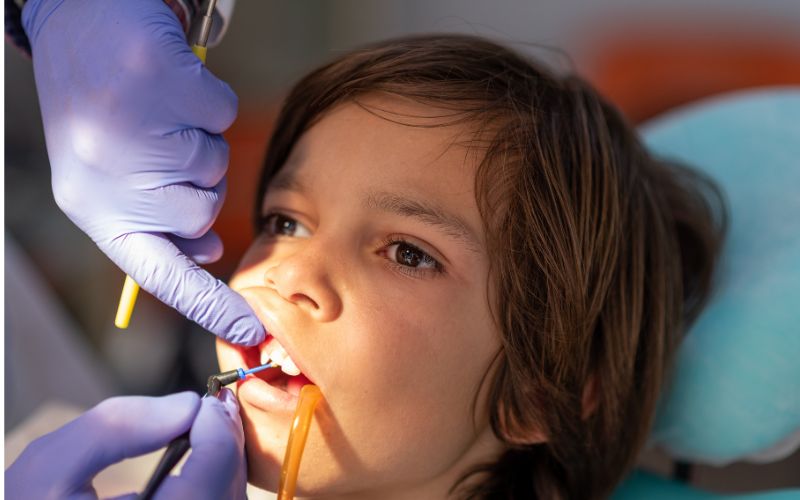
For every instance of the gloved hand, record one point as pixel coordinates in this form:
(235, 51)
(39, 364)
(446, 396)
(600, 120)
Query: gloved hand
(133, 121)
(63, 463)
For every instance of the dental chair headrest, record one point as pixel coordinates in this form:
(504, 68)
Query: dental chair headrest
(735, 391)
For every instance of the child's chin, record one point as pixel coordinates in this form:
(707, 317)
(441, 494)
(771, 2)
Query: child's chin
(264, 451)
(263, 472)
(267, 477)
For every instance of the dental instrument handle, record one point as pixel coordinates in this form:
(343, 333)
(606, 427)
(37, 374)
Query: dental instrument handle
(175, 451)
(130, 290)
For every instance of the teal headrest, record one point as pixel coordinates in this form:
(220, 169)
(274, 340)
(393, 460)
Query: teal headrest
(735, 390)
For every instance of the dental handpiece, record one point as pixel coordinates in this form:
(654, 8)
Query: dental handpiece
(216, 382)
(178, 447)
(205, 30)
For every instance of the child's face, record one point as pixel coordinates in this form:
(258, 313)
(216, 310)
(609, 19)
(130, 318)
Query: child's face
(397, 345)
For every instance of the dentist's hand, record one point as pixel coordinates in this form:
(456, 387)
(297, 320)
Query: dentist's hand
(133, 121)
(63, 463)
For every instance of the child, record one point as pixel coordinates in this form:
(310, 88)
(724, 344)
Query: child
(481, 267)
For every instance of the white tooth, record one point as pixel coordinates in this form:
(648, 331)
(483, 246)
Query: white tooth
(289, 368)
(279, 355)
(264, 357)
(268, 351)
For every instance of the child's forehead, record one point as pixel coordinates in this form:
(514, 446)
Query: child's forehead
(389, 132)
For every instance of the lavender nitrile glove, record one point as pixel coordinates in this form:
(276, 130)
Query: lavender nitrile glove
(133, 121)
(216, 467)
(63, 463)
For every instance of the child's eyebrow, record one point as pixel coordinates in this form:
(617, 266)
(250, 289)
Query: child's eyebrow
(425, 212)
(286, 182)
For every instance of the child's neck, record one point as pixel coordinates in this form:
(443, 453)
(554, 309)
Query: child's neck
(485, 448)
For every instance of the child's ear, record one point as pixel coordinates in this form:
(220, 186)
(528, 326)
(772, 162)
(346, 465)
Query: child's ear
(534, 436)
(591, 397)
(520, 434)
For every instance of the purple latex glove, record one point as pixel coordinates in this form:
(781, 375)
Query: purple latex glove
(133, 120)
(63, 463)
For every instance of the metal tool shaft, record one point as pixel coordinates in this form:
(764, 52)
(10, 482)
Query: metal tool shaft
(205, 27)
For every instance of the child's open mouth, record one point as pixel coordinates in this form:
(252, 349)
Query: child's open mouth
(274, 389)
(280, 380)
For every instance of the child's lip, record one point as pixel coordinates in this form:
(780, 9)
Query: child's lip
(266, 397)
(259, 300)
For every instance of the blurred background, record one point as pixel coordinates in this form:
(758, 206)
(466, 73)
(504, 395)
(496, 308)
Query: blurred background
(646, 57)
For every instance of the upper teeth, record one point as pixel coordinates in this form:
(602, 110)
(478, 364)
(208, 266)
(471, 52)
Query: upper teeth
(275, 352)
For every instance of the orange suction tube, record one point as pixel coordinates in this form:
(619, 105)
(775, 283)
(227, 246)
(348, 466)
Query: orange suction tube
(310, 396)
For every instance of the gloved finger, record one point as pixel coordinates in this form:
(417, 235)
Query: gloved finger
(185, 210)
(159, 267)
(211, 104)
(201, 100)
(117, 428)
(34, 17)
(203, 250)
(191, 155)
(216, 466)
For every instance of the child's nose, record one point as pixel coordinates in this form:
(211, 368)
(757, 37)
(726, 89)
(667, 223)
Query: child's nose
(303, 280)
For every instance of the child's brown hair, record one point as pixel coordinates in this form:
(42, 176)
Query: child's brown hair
(601, 254)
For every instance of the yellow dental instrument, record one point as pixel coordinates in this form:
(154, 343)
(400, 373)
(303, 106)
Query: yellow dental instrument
(130, 290)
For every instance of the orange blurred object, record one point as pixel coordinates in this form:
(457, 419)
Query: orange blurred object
(648, 67)
(309, 398)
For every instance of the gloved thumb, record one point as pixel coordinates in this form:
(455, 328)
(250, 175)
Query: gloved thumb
(216, 466)
(203, 250)
(118, 428)
(160, 267)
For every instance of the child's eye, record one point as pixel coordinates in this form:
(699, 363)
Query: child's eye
(409, 259)
(278, 224)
